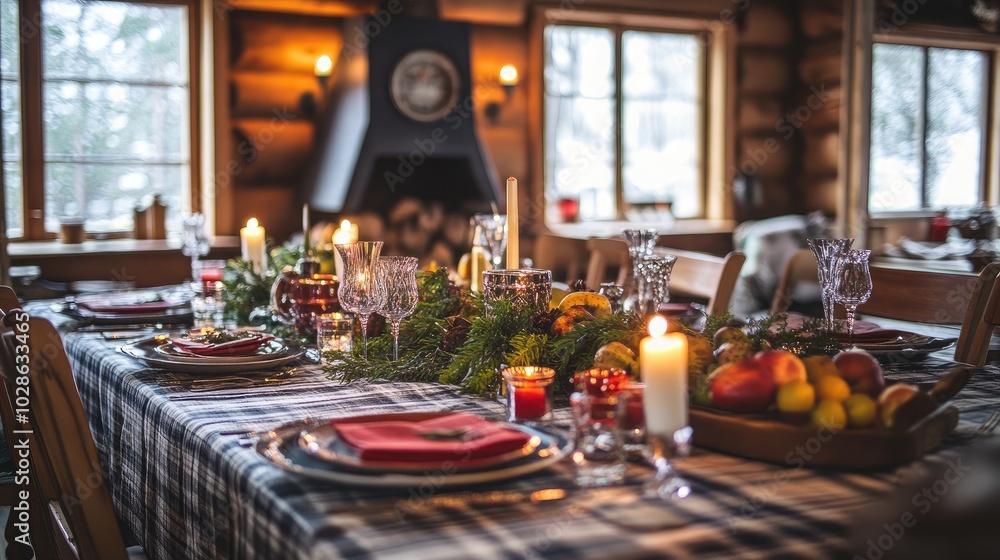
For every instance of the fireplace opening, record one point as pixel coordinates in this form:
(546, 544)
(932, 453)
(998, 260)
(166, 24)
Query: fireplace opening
(444, 180)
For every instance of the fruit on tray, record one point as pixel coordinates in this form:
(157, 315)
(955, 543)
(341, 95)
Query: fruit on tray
(732, 351)
(618, 356)
(568, 318)
(861, 410)
(785, 366)
(595, 304)
(861, 371)
(845, 391)
(744, 386)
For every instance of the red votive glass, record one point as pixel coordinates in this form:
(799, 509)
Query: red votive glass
(569, 210)
(528, 393)
(602, 386)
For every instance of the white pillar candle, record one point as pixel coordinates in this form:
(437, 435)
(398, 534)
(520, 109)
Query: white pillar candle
(305, 229)
(252, 245)
(513, 247)
(663, 365)
(346, 233)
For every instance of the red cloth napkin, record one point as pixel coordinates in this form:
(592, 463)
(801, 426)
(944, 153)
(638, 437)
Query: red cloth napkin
(407, 441)
(112, 305)
(231, 348)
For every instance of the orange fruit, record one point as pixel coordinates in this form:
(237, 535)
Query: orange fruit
(830, 414)
(818, 366)
(832, 388)
(796, 396)
(860, 409)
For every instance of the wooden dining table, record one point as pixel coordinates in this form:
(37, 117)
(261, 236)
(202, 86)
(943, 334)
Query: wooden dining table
(177, 452)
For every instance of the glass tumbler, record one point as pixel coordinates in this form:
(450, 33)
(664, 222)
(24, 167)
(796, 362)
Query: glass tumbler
(334, 331)
(598, 458)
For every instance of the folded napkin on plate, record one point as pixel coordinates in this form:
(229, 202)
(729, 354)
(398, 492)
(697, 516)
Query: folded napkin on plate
(101, 304)
(230, 348)
(454, 437)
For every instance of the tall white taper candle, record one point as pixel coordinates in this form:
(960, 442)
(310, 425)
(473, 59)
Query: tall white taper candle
(513, 247)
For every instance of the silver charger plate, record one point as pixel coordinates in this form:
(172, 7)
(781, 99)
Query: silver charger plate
(145, 351)
(909, 348)
(281, 448)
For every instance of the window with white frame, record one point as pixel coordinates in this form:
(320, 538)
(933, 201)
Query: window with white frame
(929, 131)
(623, 119)
(114, 98)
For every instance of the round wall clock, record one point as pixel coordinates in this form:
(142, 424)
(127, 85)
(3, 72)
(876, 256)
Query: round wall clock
(424, 85)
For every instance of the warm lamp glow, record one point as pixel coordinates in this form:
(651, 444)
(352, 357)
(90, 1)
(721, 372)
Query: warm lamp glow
(345, 224)
(324, 65)
(252, 223)
(508, 75)
(657, 326)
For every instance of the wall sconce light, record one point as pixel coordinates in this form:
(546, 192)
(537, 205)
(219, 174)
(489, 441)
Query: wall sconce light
(508, 80)
(322, 69)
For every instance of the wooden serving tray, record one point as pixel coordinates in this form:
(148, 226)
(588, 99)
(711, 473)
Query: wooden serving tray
(805, 445)
(766, 438)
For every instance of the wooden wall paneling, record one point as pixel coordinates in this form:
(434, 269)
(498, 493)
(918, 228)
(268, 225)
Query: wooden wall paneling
(271, 150)
(329, 8)
(275, 206)
(225, 163)
(269, 94)
(268, 42)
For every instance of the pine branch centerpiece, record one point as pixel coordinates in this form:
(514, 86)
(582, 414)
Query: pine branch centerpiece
(449, 339)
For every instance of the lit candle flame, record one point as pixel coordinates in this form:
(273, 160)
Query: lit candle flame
(252, 223)
(324, 65)
(508, 75)
(657, 326)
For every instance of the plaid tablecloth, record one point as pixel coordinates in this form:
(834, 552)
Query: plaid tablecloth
(187, 487)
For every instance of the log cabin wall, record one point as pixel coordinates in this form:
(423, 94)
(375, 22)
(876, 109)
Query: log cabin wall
(270, 66)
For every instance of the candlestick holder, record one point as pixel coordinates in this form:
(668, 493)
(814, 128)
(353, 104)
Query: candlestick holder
(666, 483)
(528, 288)
(529, 395)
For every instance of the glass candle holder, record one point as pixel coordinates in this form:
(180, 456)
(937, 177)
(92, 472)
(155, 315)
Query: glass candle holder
(334, 331)
(632, 418)
(527, 288)
(529, 395)
(601, 385)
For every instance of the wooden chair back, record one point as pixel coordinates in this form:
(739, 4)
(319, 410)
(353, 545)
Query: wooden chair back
(800, 269)
(566, 257)
(704, 276)
(608, 255)
(65, 450)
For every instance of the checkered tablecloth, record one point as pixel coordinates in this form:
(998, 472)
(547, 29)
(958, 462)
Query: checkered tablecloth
(187, 487)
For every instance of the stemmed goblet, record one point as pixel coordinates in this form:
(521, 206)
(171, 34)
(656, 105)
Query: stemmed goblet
(640, 244)
(853, 284)
(495, 231)
(654, 278)
(360, 291)
(399, 278)
(827, 252)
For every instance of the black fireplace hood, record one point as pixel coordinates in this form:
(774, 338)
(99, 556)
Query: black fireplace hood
(373, 149)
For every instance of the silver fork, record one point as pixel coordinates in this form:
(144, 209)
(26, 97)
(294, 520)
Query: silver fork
(988, 426)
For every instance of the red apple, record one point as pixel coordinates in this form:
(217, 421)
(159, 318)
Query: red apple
(784, 365)
(861, 371)
(891, 399)
(745, 386)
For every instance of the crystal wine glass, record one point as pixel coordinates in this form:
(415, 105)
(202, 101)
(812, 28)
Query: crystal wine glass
(654, 277)
(495, 231)
(826, 252)
(360, 291)
(853, 284)
(399, 278)
(640, 244)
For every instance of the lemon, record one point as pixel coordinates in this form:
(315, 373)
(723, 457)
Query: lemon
(830, 414)
(818, 366)
(796, 396)
(832, 388)
(860, 410)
